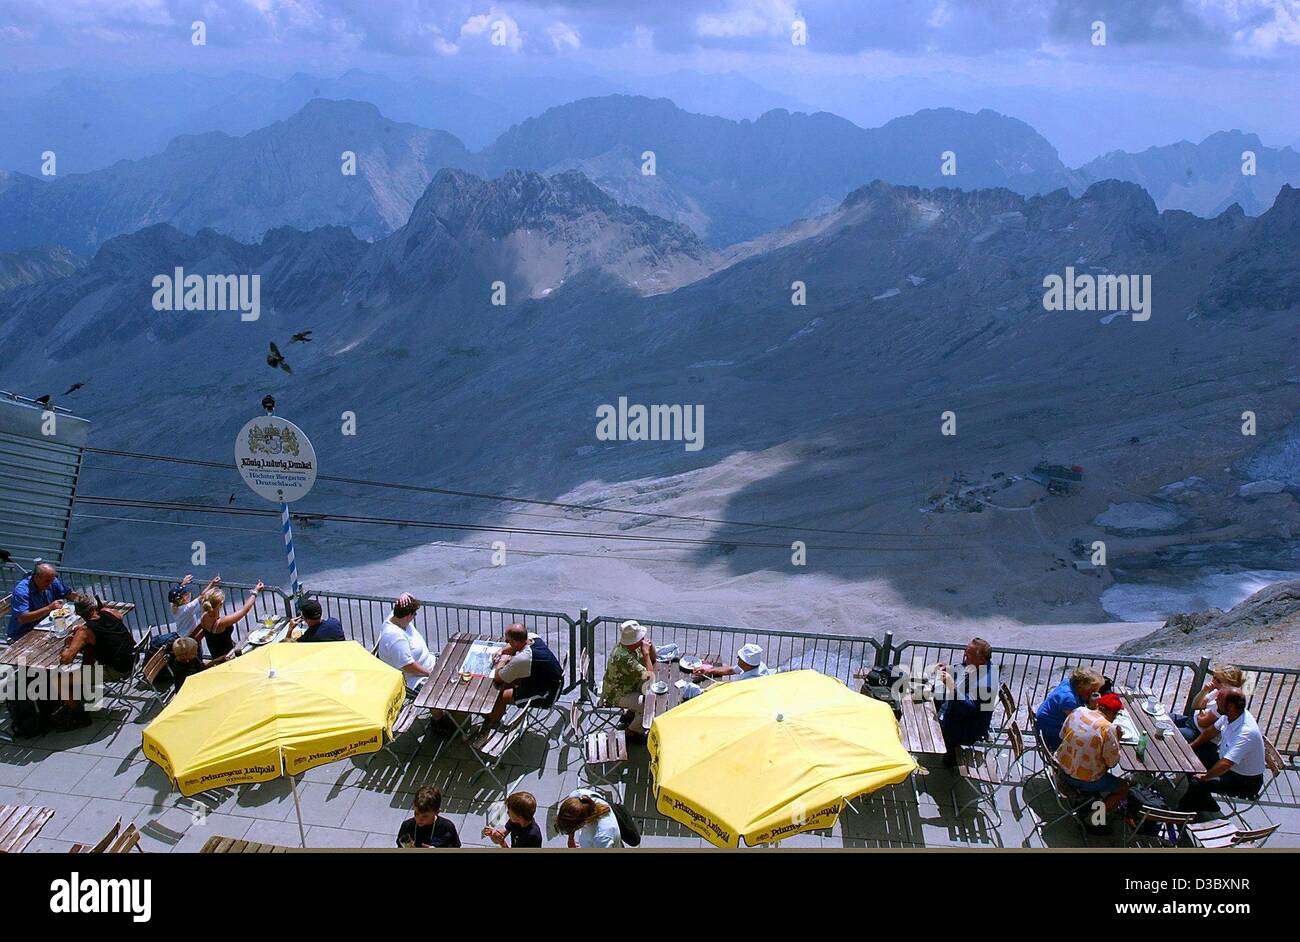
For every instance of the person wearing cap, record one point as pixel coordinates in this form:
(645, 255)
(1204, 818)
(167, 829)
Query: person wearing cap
(629, 666)
(749, 663)
(965, 699)
(1239, 770)
(186, 608)
(1090, 749)
(35, 597)
(318, 628)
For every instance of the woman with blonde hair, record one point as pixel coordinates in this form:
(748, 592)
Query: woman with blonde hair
(215, 627)
(588, 820)
(1204, 710)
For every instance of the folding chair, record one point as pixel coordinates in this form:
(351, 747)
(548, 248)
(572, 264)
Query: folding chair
(982, 767)
(1237, 807)
(525, 716)
(1223, 833)
(149, 672)
(1068, 799)
(604, 749)
(101, 845)
(1170, 821)
(116, 691)
(595, 715)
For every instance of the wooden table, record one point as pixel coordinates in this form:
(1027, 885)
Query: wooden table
(444, 689)
(670, 672)
(922, 734)
(39, 648)
(280, 629)
(1169, 756)
(19, 825)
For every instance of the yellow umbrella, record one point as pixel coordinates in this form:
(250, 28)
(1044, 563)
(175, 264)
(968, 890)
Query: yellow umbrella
(282, 709)
(772, 756)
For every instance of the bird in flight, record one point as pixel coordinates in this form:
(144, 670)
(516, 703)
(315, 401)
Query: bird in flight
(73, 388)
(232, 499)
(301, 337)
(43, 400)
(276, 358)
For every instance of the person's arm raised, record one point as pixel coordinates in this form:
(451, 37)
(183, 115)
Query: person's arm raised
(225, 621)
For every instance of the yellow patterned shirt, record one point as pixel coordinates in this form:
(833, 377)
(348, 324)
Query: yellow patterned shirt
(1089, 745)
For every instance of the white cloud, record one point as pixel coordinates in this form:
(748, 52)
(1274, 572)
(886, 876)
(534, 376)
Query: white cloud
(498, 29)
(747, 19)
(563, 36)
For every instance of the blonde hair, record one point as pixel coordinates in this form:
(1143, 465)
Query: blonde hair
(1086, 677)
(212, 601)
(1229, 676)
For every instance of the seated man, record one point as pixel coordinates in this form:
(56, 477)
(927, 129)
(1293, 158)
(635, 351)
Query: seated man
(1076, 690)
(526, 667)
(749, 663)
(1204, 712)
(401, 644)
(427, 828)
(103, 642)
(1089, 750)
(965, 702)
(319, 628)
(34, 597)
(629, 666)
(1240, 769)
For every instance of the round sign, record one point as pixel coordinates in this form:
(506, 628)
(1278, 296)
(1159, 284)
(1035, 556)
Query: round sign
(275, 459)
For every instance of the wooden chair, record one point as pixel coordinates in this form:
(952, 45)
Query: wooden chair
(19, 825)
(1223, 833)
(216, 844)
(987, 768)
(1068, 799)
(603, 748)
(1274, 765)
(594, 714)
(116, 691)
(1167, 818)
(524, 716)
(149, 675)
(116, 841)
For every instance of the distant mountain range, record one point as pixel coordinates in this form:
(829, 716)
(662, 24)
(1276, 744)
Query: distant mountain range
(729, 181)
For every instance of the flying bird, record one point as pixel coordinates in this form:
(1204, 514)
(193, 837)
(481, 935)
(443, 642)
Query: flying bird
(276, 358)
(303, 337)
(43, 400)
(73, 388)
(232, 499)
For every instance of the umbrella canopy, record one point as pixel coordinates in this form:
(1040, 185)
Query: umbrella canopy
(772, 756)
(284, 708)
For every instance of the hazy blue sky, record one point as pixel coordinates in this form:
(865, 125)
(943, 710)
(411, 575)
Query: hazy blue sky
(1170, 68)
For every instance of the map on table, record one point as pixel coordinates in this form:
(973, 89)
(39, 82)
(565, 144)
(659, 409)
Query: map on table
(478, 659)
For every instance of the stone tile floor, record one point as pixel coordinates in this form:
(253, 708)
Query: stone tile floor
(93, 776)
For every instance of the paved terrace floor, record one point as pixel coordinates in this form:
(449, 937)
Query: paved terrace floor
(93, 776)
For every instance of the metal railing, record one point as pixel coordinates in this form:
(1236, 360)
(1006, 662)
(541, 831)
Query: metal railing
(1274, 692)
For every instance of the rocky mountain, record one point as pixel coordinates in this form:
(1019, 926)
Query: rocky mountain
(1264, 626)
(1205, 178)
(287, 174)
(29, 266)
(732, 180)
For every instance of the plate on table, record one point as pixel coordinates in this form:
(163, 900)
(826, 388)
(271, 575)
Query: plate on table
(1146, 708)
(261, 636)
(659, 687)
(691, 663)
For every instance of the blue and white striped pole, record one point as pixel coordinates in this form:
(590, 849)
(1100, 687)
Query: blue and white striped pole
(288, 551)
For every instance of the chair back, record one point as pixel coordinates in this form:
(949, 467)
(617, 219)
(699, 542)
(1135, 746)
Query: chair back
(154, 666)
(1272, 758)
(1257, 836)
(1017, 740)
(1165, 815)
(1008, 703)
(584, 667)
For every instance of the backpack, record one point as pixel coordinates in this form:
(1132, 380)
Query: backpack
(627, 829)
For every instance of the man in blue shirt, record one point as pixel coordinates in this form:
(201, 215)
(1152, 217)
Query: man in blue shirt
(319, 628)
(1076, 690)
(35, 597)
(966, 701)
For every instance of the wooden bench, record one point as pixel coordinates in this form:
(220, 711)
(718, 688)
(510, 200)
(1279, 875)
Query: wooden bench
(230, 845)
(919, 725)
(19, 825)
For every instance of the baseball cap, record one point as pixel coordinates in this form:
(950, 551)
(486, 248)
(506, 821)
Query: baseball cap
(1110, 702)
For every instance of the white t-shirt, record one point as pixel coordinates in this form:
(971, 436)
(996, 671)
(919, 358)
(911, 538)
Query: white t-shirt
(1242, 744)
(520, 665)
(762, 670)
(399, 647)
(603, 832)
(187, 617)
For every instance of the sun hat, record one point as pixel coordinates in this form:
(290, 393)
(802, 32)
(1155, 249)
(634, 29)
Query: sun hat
(750, 654)
(630, 632)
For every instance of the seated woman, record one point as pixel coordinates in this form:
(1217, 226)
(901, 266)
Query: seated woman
(587, 820)
(104, 642)
(1204, 712)
(215, 627)
(1078, 689)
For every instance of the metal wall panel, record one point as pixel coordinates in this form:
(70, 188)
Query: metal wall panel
(38, 477)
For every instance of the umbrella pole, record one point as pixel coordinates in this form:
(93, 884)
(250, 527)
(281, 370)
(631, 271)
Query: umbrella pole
(293, 787)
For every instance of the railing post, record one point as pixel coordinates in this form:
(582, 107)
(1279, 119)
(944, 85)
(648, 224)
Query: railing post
(886, 650)
(1198, 681)
(586, 648)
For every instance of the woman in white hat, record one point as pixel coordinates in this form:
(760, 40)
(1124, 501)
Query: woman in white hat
(749, 663)
(629, 666)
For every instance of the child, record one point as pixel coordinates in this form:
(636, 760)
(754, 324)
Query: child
(521, 825)
(427, 828)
